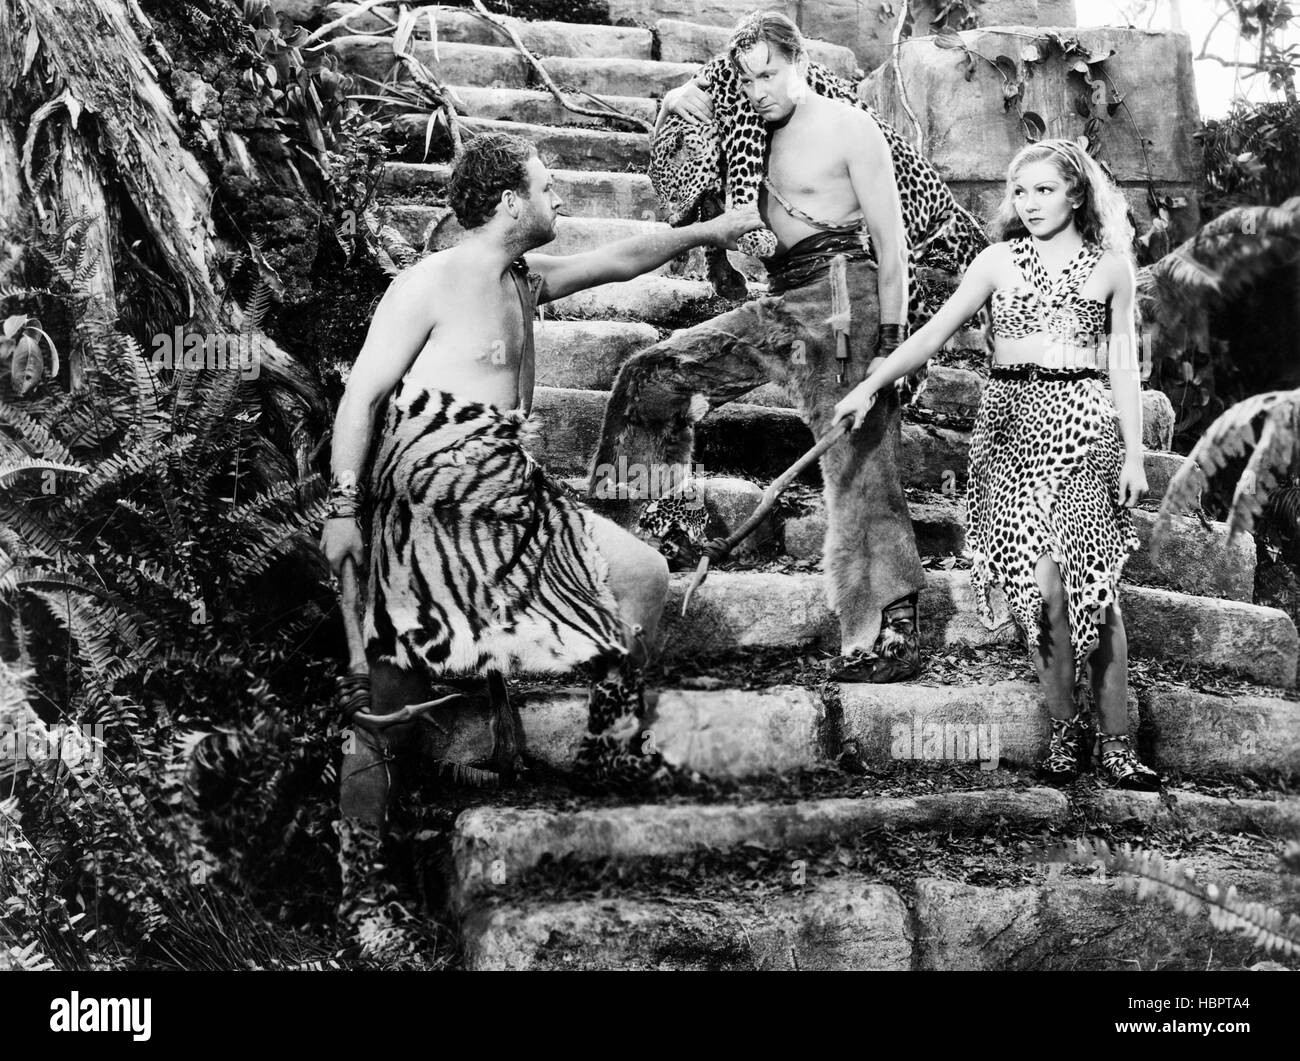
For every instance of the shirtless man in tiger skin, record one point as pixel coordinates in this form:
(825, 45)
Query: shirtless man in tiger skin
(449, 357)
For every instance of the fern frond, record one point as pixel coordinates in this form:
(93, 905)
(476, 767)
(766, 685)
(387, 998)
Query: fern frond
(259, 301)
(112, 473)
(38, 536)
(8, 291)
(1151, 876)
(98, 633)
(8, 468)
(1274, 453)
(35, 435)
(1284, 507)
(297, 530)
(1231, 436)
(215, 407)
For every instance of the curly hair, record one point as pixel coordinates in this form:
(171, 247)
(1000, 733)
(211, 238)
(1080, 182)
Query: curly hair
(488, 164)
(765, 27)
(1102, 213)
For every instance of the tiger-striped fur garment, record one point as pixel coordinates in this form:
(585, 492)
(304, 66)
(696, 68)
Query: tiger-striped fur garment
(478, 559)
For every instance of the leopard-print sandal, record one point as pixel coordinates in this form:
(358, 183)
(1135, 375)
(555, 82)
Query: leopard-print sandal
(1123, 767)
(1062, 761)
(896, 655)
(617, 755)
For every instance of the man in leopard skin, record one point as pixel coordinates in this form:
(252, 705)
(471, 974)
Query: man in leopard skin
(697, 164)
(828, 157)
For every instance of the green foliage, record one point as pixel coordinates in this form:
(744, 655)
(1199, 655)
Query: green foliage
(1252, 155)
(158, 563)
(1267, 427)
(1151, 876)
(1215, 313)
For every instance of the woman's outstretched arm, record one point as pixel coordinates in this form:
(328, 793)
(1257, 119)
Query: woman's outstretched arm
(975, 288)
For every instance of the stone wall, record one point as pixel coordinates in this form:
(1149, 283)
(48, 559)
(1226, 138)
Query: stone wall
(970, 138)
(866, 26)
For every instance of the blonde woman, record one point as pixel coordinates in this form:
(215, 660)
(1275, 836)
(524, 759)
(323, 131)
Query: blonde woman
(1055, 461)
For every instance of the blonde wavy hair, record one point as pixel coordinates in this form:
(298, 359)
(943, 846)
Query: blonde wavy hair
(1102, 214)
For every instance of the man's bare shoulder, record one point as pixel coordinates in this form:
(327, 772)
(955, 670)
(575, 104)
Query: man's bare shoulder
(856, 131)
(844, 111)
(431, 267)
(417, 285)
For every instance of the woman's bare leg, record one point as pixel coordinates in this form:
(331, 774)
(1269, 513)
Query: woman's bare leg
(1055, 667)
(1109, 666)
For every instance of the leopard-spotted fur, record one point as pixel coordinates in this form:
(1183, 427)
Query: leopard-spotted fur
(695, 170)
(617, 754)
(676, 524)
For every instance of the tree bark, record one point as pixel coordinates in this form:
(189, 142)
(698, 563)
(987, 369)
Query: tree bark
(95, 50)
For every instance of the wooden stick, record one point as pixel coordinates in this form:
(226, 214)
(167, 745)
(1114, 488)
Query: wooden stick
(721, 547)
(350, 600)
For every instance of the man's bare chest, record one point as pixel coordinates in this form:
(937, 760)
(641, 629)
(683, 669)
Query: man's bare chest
(805, 163)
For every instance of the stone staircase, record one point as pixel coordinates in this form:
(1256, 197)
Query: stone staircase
(912, 855)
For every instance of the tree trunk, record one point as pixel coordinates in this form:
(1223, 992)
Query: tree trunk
(109, 87)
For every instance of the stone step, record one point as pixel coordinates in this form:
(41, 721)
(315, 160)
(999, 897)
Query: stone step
(1195, 559)
(724, 733)
(971, 927)
(736, 609)
(586, 354)
(949, 391)
(692, 42)
(586, 193)
(743, 734)
(436, 227)
(539, 107)
(854, 925)
(605, 150)
(493, 848)
(760, 442)
(498, 67)
(457, 25)
(846, 920)
(1176, 728)
(666, 301)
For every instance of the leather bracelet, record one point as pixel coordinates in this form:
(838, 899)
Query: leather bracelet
(891, 337)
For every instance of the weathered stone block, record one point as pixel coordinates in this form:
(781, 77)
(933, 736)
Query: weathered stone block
(586, 354)
(691, 42)
(1202, 732)
(1193, 810)
(838, 924)
(942, 723)
(493, 846)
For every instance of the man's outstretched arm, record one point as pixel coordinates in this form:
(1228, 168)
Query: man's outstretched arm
(627, 258)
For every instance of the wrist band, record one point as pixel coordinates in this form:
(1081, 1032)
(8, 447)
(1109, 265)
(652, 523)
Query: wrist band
(344, 498)
(891, 335)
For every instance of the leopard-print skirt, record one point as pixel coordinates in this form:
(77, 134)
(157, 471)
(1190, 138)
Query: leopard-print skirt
(1045, 462)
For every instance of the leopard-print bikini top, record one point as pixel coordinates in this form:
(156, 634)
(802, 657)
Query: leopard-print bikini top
(1054, 307)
